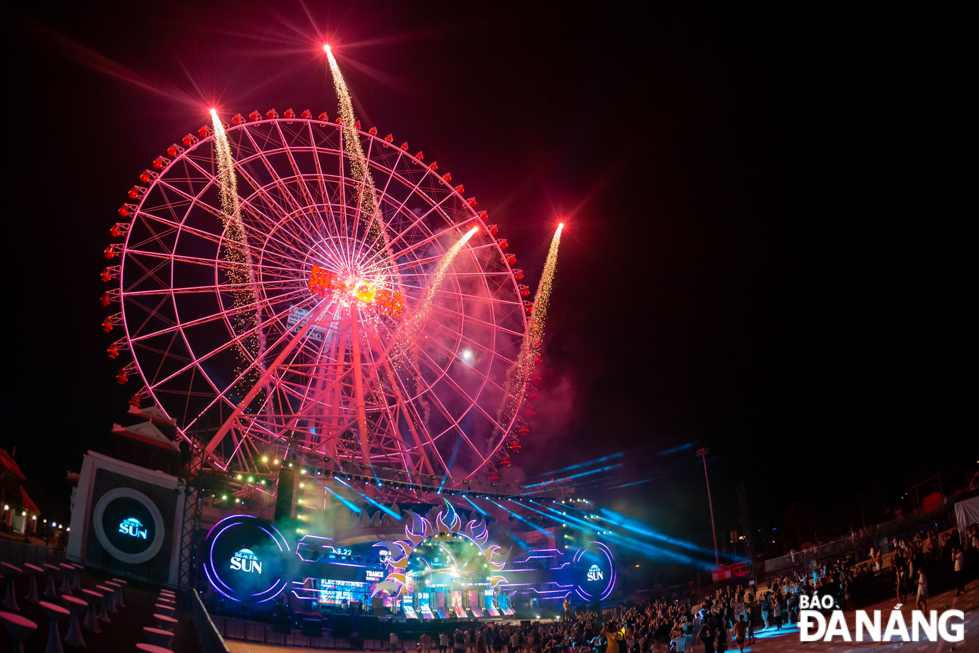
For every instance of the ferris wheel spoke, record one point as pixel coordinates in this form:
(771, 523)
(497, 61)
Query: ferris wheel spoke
(274, 174)
(308, 198)
(411, 420)
(320, 178)
(148, 273)
(420, 219)
(148, 315)
(221, 315)
(179, 227)
(375, 368)
(452, 382)
(222, 394)
(486, 379)
(437, 308)
(365, 189)
(414, 192)
(182, 227)
(453, 427)
(432, 239)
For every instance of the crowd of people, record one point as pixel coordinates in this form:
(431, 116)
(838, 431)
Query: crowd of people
(724, 619)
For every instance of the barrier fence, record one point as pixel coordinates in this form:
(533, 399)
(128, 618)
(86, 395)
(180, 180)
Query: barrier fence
(300, 632)
(914, 521)
(208, 634)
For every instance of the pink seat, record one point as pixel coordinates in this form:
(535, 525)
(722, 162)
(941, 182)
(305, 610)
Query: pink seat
(164, 609)
(91, 622)
(20, 628)
(53, 612)
(76, 607)
(165, 622)
(107, 595)
(116, 601)
(66, 578)
(149, 648)
(158, 636)
(10, 598)
(32, 583)
(52, 590)
(122, 583)
(77, 585)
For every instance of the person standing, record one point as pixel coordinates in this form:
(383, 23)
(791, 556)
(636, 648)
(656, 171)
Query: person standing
(394, 641)
(612, 636)
(900, 584)
(922, 601)
(443, 642)
(740, 629)
(706, 635)
(958, 560)
(749, 614)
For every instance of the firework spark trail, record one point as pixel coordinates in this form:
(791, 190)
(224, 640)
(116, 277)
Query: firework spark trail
(236, 252)
(533, 338)
(405, 337)
(358, 162)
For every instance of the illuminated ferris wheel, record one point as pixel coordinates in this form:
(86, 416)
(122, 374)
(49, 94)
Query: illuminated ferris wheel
(332, 317)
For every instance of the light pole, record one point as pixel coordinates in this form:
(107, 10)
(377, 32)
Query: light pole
(702, 452)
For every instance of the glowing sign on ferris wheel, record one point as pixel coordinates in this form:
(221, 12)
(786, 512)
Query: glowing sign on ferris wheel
(326, 283)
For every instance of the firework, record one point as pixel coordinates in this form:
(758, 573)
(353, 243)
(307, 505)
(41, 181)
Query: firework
(358, 162)
(235, 251)
(411, 327)
(533, 338)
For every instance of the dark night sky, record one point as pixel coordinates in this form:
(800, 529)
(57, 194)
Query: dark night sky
(757, 220)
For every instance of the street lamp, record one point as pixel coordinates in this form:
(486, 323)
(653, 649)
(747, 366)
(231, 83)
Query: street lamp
(702, 452)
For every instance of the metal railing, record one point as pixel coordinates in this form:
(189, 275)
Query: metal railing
(210, 638)
(320, 637)
(915, 520)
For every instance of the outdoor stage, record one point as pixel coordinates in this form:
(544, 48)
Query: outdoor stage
(443, 566)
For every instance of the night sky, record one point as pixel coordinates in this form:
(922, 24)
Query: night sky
(752, 260)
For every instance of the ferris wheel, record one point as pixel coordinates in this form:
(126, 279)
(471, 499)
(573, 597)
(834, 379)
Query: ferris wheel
(334, 318)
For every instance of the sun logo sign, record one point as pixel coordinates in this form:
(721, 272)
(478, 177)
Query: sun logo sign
(234, 569)
(595, 573)
(247, 561)
(133, 528)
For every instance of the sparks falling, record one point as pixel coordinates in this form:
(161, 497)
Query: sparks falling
(533, 338)
(236, 252)
(358, 162)
(411, 327)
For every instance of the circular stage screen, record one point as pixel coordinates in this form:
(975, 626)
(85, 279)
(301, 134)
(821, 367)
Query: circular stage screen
(594, 572)
(128, 525)
(245, 559)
